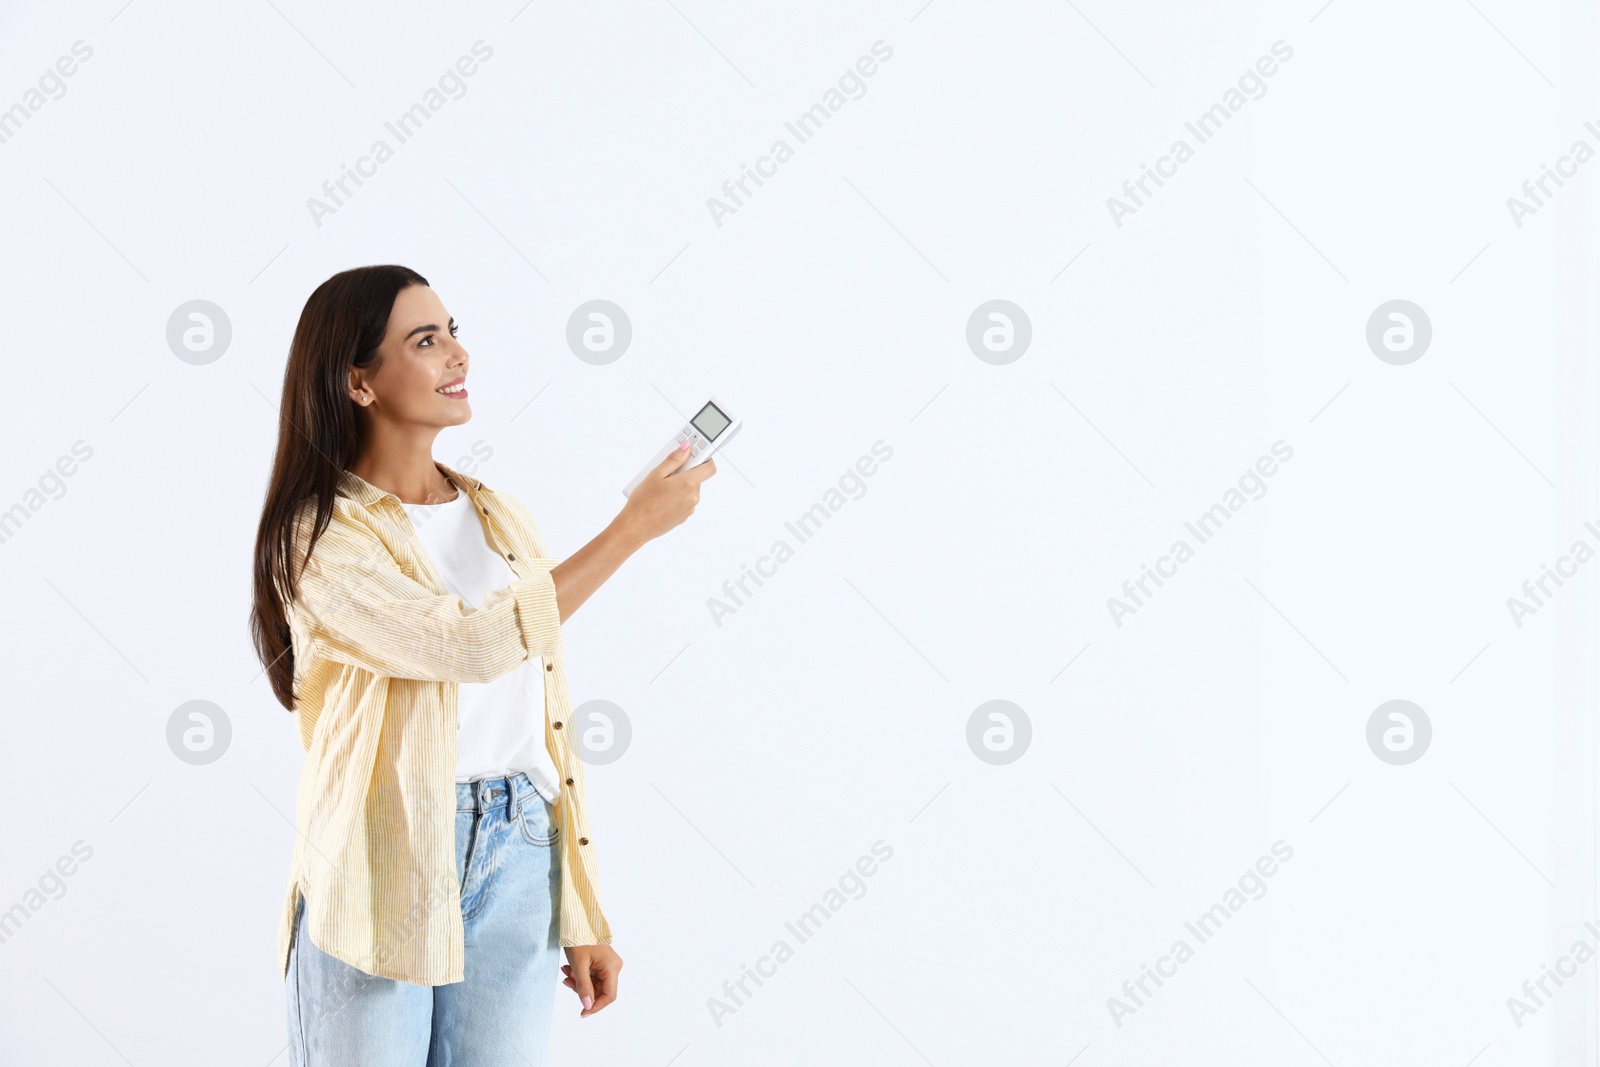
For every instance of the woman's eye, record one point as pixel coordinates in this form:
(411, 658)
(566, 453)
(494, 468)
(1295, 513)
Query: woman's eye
(428, 338)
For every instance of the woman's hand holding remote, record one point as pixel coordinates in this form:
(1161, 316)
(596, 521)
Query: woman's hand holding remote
(666, 498)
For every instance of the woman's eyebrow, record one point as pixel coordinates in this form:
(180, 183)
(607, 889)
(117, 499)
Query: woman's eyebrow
(425, 329)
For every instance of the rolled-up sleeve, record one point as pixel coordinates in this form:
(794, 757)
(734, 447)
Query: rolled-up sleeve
(361, 608)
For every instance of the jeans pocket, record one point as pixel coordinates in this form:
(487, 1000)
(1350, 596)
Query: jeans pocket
(537, 826)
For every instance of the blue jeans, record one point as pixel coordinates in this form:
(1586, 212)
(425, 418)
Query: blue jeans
(509, 860)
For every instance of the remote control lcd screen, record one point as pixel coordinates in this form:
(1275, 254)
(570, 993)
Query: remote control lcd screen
(710, 422)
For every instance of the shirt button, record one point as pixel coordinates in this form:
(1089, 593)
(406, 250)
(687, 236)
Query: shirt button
(583, 840)
(549, 666)
(569, 781)
(510, 556)
(558, 726)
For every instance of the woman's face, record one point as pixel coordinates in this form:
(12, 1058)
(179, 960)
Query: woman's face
(420, 356)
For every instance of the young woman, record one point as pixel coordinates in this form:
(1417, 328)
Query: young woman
(409, 618)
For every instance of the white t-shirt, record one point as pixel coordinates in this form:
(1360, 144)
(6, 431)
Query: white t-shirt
(501, 723)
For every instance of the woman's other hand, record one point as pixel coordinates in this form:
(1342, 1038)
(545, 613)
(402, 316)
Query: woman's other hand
(592, 974)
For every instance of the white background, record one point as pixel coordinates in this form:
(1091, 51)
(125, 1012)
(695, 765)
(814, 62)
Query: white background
(830, 711)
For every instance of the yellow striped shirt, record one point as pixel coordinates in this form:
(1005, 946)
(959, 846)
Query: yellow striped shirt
(380, 650)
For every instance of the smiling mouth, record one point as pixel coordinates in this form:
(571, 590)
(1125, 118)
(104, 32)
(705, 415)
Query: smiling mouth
(458, 389)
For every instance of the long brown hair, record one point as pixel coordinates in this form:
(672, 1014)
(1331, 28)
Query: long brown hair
(341, 326)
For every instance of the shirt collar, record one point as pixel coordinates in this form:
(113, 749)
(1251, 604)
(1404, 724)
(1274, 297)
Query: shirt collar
(366, 494)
